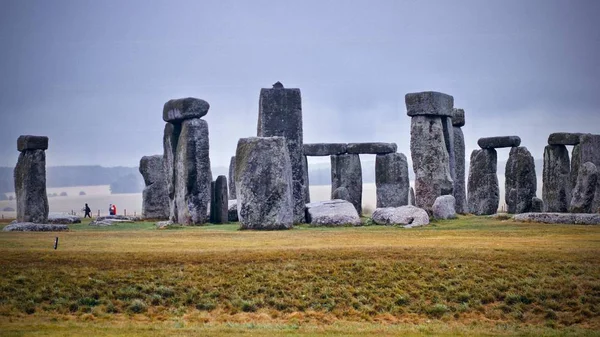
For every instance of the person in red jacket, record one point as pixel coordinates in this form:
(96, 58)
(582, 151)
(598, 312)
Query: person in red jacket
(114, 209)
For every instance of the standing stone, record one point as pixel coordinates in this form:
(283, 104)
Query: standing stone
(170, 140)
(537, 205)
(221, 201)
(575, 163)
(263, 181)
(556, 188)
(460, 193)
(411, 197)
(521, 181)
(483, 190)
(155, 197)
(444, 207)
(430, 160)
(590, 152)
(213, 203)
(232, 194)
(30, 180)
(346, 172)
(585, 189)
(449, 141)
(280, 114)
(391, 180)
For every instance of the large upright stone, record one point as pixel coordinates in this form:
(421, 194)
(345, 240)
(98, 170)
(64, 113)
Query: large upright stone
(449, 141)
(280, 114)
(177, 110)
(460, 193)
(221, 201)
(590, 152)
(520, 180)
(484, 193)
(155, 197)
(430, 160)
(263, 181)
(30, 187)
(346, 172)
(429, 103)
(170, 140)
(231, 182)
(556, 188)
(499, 142)
(575, 163)
(391, 180)
(585, 189)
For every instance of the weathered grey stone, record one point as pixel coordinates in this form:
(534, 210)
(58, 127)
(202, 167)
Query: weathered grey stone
(231, 180)
(30, 187)
(34, 227)
(449, 141)
(324, 149)
(346, 172)
(232, 211)
(221, 204)
(483, 190)
(372, 148)
(537, 205)
(590, 152)
(556, 188)
(263, 183)
(585, 189)
(212, 206)
(280, 114)
(559, 218)
(170, 140)
(163, 224)
(444, 207)
(521, 182)
(332, 213)
(62, 219)
(108, 222)
(458, 117)
(306, 182)
(155, 197)
(430, 160)
(177, 110)
(391, 180)
(341, 193)
(564, 138)
(119, 217)
(409, 216)
(499, 142)
(575, 163)
(411, 197)
(459, 192)
(192, 173)
(26, 142)
(429, 103)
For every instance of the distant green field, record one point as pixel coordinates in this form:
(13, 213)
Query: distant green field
(469, 276)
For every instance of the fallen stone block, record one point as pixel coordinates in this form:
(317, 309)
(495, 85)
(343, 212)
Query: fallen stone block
(408, 216)
(560, 218)
(34, 227)
(332, 213)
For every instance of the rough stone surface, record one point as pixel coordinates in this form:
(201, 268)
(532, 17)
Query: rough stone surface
(212, 206)
(155, 197)
(170, 140)
(537, 205)
(499, 142)
(280, 114)
(460, 188)
(163, 224)
(575, 163)
(324, 149)
(521, 182)
(341, 193)
(27, 142)
(119, 217)
(429, 103)
(332, 213)
(30, 187)
(263, 183)
(590, 152)
(483, 190)
(221, 204)
(177, 110)
(556, 188)
(34, 227)
(62, 218)
(449, 141)
(444, 207)
(458, 117)
(564, 138)
(346, 172)
(391, 180)
(372, 148)
(231, 181)
(585, 189)
(232, 211)
(411, 197)
(108, 222)
(560, 218)
(430, 160)
(409, 216)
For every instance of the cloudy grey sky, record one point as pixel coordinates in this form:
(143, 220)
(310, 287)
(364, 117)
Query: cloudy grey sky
(93, 75)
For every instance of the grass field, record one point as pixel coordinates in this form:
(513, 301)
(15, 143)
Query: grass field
(473, 276)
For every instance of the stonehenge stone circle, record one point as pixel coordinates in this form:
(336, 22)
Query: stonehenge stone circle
(499, 142)
(444, 207)
(221, 197)
(177, 110)
(408, 216)
(324, 149)
(371, 148)
(30, 180)
(346, 172)
(231, 181)
(590, 152)
(556, 188)
(564, 138)
(429, 103)
(458, 117)
(332, 213)
(483, 190)
(460, 193)
(521, 182)
(280, 114)
(585, 189)
(391, 180)
(537, 205)
(263, 181)
(155, 197)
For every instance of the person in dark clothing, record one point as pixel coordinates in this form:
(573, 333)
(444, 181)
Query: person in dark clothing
(88, 211)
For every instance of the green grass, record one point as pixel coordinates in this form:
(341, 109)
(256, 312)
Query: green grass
(472, 275)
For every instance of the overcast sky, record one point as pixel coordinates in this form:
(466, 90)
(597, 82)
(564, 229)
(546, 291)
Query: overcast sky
(94, 75)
